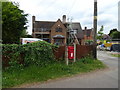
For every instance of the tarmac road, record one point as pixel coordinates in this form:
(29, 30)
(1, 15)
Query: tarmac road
(107, 78)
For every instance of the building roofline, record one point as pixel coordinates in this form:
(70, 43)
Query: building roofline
(61, 21)
(46, 21)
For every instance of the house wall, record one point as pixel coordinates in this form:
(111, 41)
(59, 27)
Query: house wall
(53, 31)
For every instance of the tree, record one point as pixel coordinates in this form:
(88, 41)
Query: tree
(111, 31)
(24, 34)
(115, 35)
(13, 22)
(100, 33)
(29, 36)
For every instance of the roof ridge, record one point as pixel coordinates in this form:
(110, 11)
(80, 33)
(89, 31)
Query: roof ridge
(45, 21)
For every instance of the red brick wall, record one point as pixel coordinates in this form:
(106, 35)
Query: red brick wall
(53, 31)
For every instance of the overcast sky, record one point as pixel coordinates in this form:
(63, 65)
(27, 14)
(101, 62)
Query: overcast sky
(79, 10)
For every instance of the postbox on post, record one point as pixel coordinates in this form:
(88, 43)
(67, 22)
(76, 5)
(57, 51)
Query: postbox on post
(70, 52)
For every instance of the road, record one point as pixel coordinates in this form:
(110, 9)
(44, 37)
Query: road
(107, 78)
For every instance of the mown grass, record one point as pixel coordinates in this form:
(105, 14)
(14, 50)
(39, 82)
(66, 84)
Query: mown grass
(53, 70)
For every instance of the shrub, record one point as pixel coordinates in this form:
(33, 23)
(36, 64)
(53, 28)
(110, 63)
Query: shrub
(37, 53)
(11, 53)
(87, 59)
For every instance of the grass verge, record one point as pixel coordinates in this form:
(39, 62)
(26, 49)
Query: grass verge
(54, 70)
(115, 55)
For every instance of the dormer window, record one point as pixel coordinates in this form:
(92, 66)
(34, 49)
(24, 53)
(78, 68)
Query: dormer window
(58, 29)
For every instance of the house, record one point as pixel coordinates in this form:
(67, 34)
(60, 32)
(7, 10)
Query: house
(106, 37)
(57, 32)
(88, 34)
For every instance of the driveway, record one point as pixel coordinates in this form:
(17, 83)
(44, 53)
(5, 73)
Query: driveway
(107, 78)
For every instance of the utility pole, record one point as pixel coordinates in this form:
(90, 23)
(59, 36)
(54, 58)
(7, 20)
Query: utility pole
(95, 30)
(118, 28)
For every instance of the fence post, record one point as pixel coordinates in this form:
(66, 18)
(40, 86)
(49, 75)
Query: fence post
(66, 55)
(74, 52)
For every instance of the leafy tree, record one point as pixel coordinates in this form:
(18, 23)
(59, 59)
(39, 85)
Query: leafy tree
(100, 33)
(111, 31)
(24, 33)
(115, 35)
(29, 36)
(13, 22)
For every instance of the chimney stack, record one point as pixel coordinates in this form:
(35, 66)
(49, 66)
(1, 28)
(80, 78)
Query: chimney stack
(85, 31)
(64, 19)
(33, 19)
(85, 28)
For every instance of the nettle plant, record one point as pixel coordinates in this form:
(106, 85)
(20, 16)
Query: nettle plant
(38, 53)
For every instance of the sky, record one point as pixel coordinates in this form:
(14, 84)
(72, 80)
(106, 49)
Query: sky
(77, 10)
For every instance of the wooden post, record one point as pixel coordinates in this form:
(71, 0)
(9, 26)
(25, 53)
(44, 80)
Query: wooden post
(95, 29)
(119, 30)
(74, 52)
(1, 45)
(66, 55)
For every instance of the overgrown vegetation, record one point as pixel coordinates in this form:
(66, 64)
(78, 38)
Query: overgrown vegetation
(20, 56)
(52, 70)
(34, 62)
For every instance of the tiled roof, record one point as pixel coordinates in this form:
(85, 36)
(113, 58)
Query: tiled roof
(80, 35)
(44, 24)
(47, 25)
(77, 26)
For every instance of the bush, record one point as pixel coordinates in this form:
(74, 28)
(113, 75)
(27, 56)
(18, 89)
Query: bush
(38, 53)
(87, 60)
(10, 55)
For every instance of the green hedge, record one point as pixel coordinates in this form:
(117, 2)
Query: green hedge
(37, 53)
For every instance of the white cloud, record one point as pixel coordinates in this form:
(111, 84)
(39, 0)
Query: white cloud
(80, 10)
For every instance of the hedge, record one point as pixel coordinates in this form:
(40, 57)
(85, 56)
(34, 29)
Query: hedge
(37, 53)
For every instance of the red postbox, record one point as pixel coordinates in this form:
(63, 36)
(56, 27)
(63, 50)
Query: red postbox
(70, 52)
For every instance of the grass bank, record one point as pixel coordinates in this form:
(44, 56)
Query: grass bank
(50, 71)
(115, 55)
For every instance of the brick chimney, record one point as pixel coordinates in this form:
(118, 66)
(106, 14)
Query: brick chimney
(64, 19)
(85, 30)
(33, 19)
(33, 23)
(85, 34)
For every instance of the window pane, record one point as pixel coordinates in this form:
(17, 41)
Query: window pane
(58, 29)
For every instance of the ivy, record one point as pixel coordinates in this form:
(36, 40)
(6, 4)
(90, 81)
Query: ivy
(38, 53)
